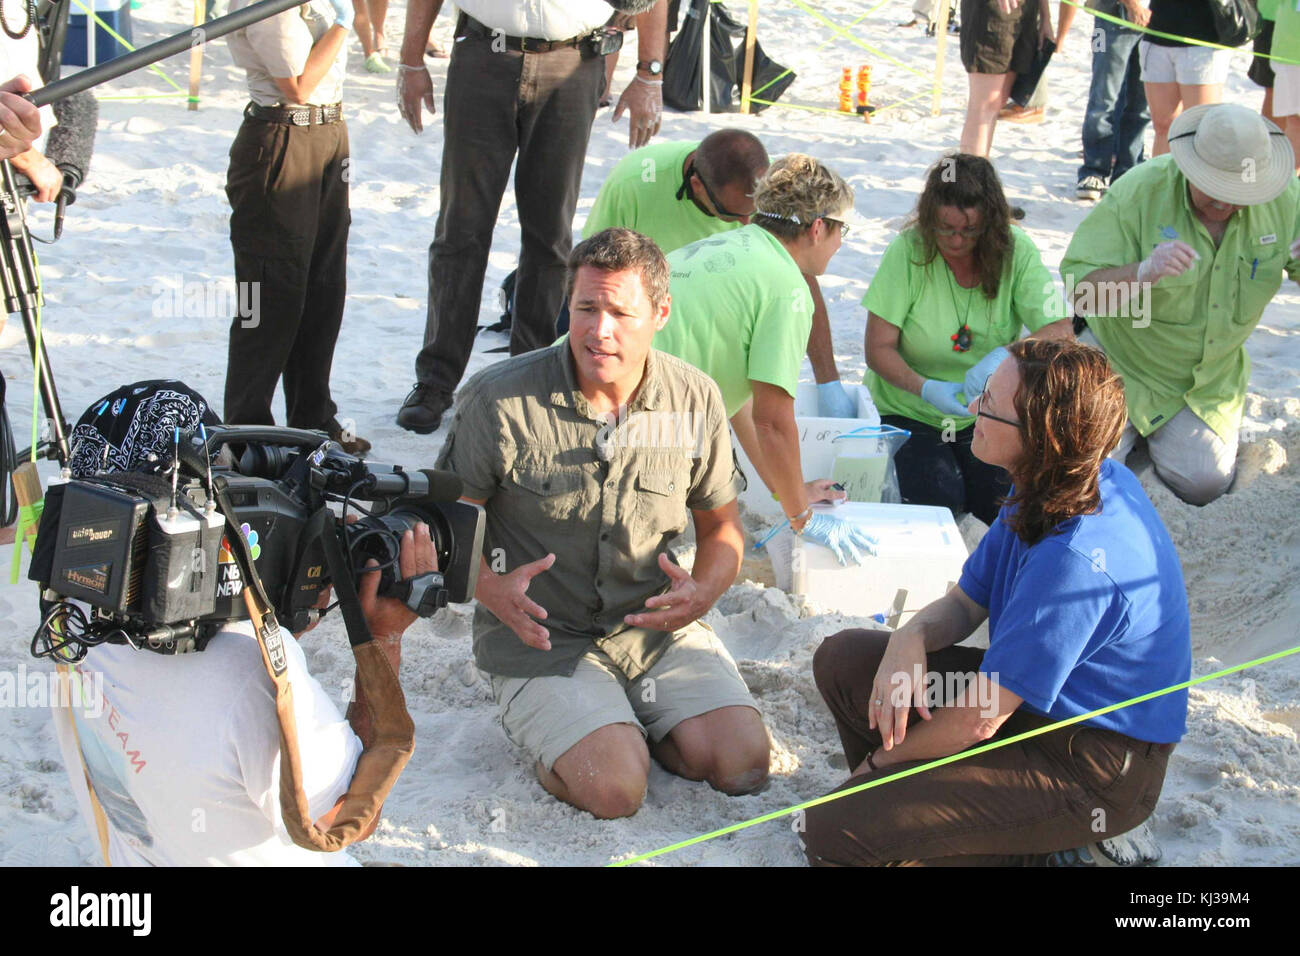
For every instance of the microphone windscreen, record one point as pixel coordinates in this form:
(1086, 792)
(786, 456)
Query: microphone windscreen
(71, 142)
(443, 485)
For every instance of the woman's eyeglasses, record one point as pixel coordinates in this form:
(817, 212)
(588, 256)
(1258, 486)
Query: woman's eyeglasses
(844, 227)
(980, 413)
(969, 232)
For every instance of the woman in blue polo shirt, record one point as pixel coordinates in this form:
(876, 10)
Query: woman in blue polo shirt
(1087, 608)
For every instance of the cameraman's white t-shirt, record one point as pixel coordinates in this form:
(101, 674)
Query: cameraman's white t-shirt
(184, 754)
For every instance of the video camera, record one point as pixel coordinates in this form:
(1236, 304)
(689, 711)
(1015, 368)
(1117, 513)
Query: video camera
(162, 557)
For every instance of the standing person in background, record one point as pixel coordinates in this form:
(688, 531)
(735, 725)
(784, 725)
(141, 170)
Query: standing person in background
(524, 80)
(953, 290)
(369, 24)
(288, 191)
(1286, 84)
(1261, 67)
(1033, 109)
(1115, 123)
(998, 40)
(1177, 74)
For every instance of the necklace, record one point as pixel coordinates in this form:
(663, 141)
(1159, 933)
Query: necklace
(29, 8)
(961, 339)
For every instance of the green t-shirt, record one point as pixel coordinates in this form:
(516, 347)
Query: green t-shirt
(741, 312)
(640, 193)
(928, 307)
(1188, 348)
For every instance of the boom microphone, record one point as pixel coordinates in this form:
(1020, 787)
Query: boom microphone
(72, 141)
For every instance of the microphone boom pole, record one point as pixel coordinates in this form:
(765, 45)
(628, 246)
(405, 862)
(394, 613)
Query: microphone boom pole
(160, 50)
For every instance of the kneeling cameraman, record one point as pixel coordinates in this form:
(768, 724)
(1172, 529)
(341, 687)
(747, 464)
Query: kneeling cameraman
(182, 753)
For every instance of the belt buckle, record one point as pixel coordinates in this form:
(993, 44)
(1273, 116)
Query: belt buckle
(301, 117)
(524, 45)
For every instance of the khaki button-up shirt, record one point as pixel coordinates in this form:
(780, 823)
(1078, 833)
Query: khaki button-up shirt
(606, 494)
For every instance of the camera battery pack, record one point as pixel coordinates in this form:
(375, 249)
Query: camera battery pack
(180, 579)
(103, 541)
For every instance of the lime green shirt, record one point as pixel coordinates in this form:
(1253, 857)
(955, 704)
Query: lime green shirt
(1188, 348)
(741, 312)
(640, 193)
(928, 307)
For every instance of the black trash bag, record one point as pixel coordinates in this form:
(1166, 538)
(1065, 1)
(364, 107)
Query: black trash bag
(682, 66)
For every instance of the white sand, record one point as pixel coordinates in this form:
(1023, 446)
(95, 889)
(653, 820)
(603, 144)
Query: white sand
(154, 213)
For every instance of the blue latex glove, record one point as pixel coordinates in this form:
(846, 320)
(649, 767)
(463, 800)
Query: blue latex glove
(844, 538)
(343, 13)
(834, 402)
(943, 396)
(978, 375)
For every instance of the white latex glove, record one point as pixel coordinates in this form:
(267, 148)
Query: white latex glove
(414, 89)
(1167, 259)
(644, 102)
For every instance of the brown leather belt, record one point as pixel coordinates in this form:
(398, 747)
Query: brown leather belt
(471, 27)
(296, 115)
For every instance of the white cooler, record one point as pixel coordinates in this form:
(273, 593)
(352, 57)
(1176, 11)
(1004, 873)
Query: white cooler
(816, 452)
(920, 552)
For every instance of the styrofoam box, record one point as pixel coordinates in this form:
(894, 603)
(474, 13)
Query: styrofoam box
(816, 452)
(920, 550)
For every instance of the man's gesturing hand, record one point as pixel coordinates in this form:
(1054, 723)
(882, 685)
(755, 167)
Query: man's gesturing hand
(681, 603)
(414, 88)
(389, 617)
(644, 102)
(505, 595)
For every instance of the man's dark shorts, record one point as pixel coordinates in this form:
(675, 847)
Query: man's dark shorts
(994, 42)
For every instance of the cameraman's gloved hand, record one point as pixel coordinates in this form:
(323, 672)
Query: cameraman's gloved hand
(1167, 259)
(834, 402)
(943, 396)
(977, 376)
(389, 617)
(844, 538)
(343, 13)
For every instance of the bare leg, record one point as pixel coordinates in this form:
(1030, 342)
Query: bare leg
(1267, 110)
(361, 24)
(728, 747)
(378, 11)
(987, 94)
(1165, 102)
(604, 773)
(1292, 126)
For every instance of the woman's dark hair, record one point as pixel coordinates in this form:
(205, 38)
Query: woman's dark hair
(967, 182)
(1071, 408)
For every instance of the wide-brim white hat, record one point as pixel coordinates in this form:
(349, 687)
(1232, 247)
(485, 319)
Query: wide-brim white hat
(1231, 153)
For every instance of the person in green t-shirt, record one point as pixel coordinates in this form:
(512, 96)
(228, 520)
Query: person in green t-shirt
(952, 291)
(742, 312)
(678, 193)
(1203, 235)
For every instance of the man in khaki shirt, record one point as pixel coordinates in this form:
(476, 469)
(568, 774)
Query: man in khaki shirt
(586, 457)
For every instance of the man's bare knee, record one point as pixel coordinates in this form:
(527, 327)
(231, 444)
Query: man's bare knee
(605, 773)
(728, 747)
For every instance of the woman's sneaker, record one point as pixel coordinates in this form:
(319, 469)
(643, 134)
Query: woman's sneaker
(1090, 187)
(1138, 847)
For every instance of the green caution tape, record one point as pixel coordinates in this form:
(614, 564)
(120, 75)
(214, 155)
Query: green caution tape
(954, 758)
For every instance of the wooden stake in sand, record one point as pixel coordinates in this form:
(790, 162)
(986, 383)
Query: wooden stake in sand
(196, 55)
(751, 33)
(941, 34)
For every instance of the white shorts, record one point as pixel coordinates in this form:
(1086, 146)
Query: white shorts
(1186, 65)
(1286, 89)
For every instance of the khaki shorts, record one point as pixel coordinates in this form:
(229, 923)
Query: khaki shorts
(547, 716)
(996, 42)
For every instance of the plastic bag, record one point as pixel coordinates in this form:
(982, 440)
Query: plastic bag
(727, 64)
(864, 462)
